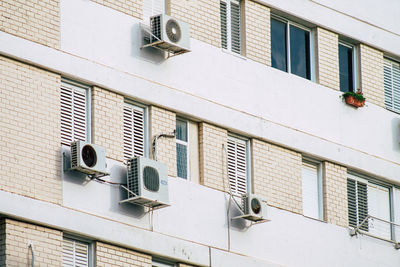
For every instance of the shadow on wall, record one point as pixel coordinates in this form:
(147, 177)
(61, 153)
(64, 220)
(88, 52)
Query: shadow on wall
(149, 54)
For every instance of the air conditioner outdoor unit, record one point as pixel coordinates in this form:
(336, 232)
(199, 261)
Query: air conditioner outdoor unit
(254, 207)
(88, 158)
(169, 34)
(147, 183)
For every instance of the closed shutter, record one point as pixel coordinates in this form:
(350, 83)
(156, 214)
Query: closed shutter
(151, 8)
(73, 113)
(134, 131)
(237, 165)
(357, 203)
(235, 27)
(379, 206)
(310, 189)
(224, 37)
(75, 253)
(392, 85)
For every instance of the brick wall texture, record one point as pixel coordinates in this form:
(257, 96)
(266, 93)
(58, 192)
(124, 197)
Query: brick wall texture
(257, 29)
(203, 17)
(109, 255)
(371, 61)
(16, 237)
(328, 58)
(164, 121)
(30, 140)
(212, 141)
(37, 21)
(107, 122)
(277, 175)
(335, 194)
(132, 8)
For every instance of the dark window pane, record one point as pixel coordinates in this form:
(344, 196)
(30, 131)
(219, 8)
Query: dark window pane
(346, 68)
(181, 160)
(278, 44)
(300, 52)
(181, 130)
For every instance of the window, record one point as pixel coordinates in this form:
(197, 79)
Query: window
(230, 25)
(392, 84)
(162, 263)
(76, 253)
(182, 148)
(372, 198)
(347, 67)
(151, 8)
(312, 189)
(75, 118)
(290, 48)
(238, 167)
(134, 130)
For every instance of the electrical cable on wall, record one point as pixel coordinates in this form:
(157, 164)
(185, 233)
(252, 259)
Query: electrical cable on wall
(155, 140)
(30, 246)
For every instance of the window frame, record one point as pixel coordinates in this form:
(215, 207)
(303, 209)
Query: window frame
(355, 63)
(248, 162)
(88, 90)
(162, 263)
(311, 58)
(321, 212)
(133, 104)
(397, 62)
(229, 27)
(187, 144)
(88, 242)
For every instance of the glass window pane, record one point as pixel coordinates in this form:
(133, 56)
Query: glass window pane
(300, 52)
(346, 68)
(278, 44)
(181, 130)
(181, 160)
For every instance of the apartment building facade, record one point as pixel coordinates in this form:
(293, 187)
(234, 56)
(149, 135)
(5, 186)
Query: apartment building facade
(255, 107)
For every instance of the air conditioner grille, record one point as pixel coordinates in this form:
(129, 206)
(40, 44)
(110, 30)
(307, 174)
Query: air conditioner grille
(74, 155)
(156, 27)
(133, 177)
(151, 179)
(173, 30)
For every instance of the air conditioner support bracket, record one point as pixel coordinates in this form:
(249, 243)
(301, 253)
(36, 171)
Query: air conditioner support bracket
(253, 219)
(141, 201)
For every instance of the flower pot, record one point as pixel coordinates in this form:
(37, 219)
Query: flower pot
(351, 100)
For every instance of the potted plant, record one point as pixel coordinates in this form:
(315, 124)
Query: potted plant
(354, 99)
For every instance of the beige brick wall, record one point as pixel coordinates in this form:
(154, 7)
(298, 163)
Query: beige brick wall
(30, 141)
(277, 175)
(257, 32)
(335, 194)
(109, 255)
(16, 236)
(164, 121)
(132, 8)
(213, 157)
(327, 66)
(37, 21)
(202, 15)
(107, 122)
(371, 62)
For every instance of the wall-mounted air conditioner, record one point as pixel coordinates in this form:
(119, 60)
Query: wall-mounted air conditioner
(254, 207)
(169, 34)
(88, 158)
(147, 183)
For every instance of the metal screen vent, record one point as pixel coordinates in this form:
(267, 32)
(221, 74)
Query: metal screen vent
(156, 28)
(133, 177)
(151, 179)
(74, 155)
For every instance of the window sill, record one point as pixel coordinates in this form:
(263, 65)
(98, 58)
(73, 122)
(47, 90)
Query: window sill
(233, 53)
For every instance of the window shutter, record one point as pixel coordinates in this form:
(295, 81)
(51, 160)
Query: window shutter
(362, 204)
(235, 27)
(134, 131)
(310, 189)
(378, 206)
(352, 202)
(224, 37)
(357, 203)
(151, 8)
(237, 165)
(75, 253)
(392, 85)
(73, 113)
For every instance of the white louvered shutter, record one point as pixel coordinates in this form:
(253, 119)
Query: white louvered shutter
(357, 197)
(230, 25)
(151, 8)
(392, 85)
(134, 131)
(237, 165)
(310, 189)
(224, 26)
(73, 113)
(235, 27)
(75, 253)
(396, 215)
(379, 206)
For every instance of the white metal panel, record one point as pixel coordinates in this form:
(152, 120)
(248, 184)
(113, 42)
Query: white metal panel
(134, 131)
(379, 206)
(310, 190)
(151, 8)
(237, 165)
